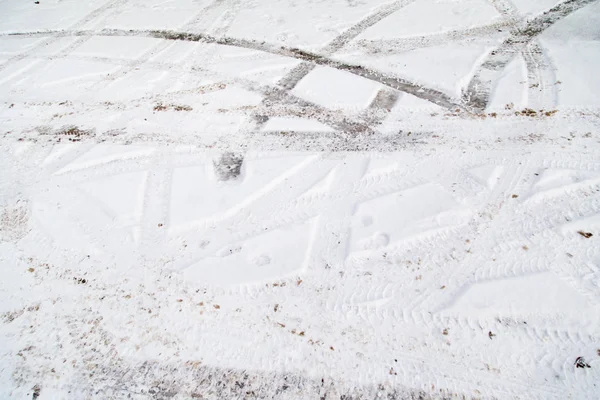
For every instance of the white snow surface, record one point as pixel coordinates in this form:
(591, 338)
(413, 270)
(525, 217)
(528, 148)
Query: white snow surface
(326, 199)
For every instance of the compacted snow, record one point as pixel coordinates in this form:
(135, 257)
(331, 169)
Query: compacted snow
(299, 199)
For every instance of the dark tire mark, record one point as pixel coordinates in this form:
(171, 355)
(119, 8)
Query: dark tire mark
(400, 45)
(478, 90)
(385, 99)
(350, 34)
(381, 106)
(286, 105)
(292, 78)
(394, 82)
(297, 107)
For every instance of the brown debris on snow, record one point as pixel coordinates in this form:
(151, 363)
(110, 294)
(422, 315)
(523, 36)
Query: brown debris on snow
(586, 235)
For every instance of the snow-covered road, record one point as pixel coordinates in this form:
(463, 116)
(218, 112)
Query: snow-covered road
(299, 200)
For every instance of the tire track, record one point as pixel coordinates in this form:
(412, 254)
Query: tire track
(380, 106)
(347, 36)
(393, 82)
(478, 91)
(292, 78)
(332, 234)
(582, 276)
(533, 334)
(127, 68)
(533, 232)
(477, 330)
(273, 215)
(220, 27)
(541, 329)
(481, 226)
(542, 92)
(249, 221)
(295, 106)
(401, 45)
(280, 140)
(292, 105)
(108, 6)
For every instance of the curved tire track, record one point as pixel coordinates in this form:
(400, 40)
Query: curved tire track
(477, 93)
(400, 45)
(389, 80)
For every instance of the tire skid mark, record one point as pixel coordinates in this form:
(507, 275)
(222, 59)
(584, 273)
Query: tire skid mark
(482, 269)
(576, 272)
(376, 303)
(536, 329)
(477, 93)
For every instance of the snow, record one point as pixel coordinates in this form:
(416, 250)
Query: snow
(512, 82)
(441, 16)
(576, 57)
(327, 86)
(522, 295)
(280, 124)
(445, 67)
(322, 199)
(126, 48)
